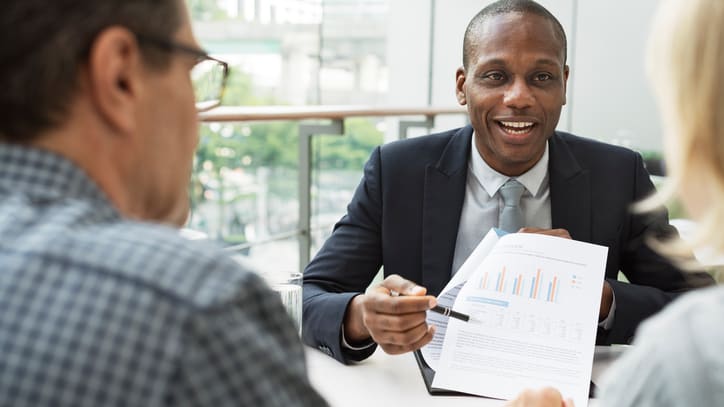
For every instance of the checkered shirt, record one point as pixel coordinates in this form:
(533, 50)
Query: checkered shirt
(97, 310)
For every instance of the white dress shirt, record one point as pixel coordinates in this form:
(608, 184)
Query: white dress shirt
(483, 203)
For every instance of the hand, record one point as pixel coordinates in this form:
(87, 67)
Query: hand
(550, 232)
(397, 323)
(606, 301)
(546, 397)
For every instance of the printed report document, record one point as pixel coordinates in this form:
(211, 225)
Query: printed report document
(533, 302)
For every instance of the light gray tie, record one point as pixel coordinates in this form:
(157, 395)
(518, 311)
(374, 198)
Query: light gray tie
(511, 217)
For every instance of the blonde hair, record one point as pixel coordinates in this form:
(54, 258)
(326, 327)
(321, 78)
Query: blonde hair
(685, 65)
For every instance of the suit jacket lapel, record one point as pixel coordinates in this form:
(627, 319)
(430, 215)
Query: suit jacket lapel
(442, 205)
(570, 191)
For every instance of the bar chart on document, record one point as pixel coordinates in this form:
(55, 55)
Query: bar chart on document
(533, 304)
(519, 298)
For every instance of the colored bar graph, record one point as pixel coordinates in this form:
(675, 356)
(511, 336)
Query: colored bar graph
(543, 285)
(501, 281)
(548, 296)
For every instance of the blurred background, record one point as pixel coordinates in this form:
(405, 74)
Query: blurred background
(379, 54)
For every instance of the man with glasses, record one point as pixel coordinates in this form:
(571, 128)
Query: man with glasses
(101, 303)
(209, 74)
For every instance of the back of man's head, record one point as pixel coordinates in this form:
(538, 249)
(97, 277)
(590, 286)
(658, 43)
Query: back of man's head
(504, 7)
(45, 44)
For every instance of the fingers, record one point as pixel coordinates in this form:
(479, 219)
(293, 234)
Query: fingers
(398, 333)
(545, 397)
(550, 232)
(394, 322)
(398, 322)
(380, 301)
(385, 298)
(386, 319)
(606, 301)
(402, 286)
(402, 329)
(395, 348)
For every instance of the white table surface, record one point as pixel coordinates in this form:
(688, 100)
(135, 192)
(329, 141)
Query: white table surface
(385, 380)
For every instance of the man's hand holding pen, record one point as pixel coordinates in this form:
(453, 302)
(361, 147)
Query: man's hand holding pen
(397, 323)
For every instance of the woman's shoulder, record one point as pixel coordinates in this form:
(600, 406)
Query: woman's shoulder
(677, 357)
(701, 310)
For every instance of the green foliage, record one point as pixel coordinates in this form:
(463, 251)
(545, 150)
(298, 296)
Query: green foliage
(351, 151)
(240, 166)
(239, 90)
(248, 146)
(274, 144)
(651, 155)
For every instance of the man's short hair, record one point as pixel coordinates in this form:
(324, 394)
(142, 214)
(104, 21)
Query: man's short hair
(505, 7)
(44, 44)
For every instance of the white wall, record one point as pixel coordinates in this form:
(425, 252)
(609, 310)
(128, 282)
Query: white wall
(608, 96)
(408, 49)
(612, 100)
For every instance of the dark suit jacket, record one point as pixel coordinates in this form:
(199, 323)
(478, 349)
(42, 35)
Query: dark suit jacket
(405, 215)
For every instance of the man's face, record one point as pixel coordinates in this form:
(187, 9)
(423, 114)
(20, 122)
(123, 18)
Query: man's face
(170, 118)
(514, 87)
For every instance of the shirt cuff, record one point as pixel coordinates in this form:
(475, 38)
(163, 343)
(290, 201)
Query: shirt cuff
(368, 344)
(607, 323)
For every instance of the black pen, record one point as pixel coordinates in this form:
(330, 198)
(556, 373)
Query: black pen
(448, 312)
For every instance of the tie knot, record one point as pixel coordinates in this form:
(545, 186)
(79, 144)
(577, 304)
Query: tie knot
(511, 192)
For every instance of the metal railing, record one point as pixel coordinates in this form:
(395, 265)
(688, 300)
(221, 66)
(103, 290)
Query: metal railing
(309, 118)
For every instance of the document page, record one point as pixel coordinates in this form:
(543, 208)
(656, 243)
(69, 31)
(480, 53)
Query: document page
(431, 351)
(533, 304)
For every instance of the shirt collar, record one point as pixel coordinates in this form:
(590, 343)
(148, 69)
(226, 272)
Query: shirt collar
(42, 175)
(491, 180)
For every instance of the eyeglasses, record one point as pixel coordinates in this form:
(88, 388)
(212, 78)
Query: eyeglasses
(208, 76)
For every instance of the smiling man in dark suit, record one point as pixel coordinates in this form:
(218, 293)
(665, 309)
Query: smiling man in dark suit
(425, 203)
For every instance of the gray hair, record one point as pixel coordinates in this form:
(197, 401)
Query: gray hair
(45, 43)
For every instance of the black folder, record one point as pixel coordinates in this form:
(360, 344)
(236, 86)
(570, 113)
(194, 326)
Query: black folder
(428, 374)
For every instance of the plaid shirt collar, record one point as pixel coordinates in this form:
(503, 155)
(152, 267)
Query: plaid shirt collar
(44, 176)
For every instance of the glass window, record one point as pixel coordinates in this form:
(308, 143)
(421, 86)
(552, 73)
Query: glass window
(285, 52)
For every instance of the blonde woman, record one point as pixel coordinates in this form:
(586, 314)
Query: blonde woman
(677, 359)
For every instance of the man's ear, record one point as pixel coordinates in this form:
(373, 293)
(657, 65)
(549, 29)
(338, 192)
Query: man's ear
(460, 86)
(114, 77)
(566, 71)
